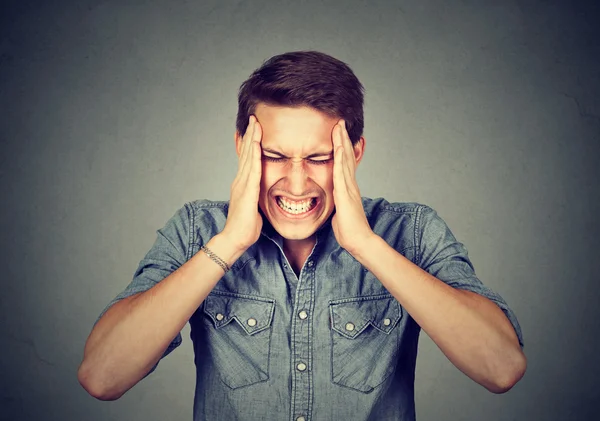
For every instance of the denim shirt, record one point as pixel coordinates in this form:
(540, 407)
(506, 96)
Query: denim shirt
(329, 344)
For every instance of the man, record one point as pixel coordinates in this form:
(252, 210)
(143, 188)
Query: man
(305, 300)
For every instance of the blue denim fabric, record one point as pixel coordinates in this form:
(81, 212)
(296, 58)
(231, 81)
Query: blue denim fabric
(331, 344)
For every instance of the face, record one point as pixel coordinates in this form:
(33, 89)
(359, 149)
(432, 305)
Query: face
(296, 191)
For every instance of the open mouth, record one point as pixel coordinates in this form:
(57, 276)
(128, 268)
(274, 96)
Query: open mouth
(296, 208)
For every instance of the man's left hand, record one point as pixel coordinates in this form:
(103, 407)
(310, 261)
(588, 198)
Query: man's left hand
(349, 223)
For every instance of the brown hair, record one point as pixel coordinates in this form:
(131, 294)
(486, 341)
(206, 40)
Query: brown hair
(305, 78)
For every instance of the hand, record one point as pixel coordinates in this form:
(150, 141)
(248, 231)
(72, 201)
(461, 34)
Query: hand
(349, 223)
(244, 222)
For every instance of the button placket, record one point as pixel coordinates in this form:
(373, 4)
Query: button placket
(302, 380)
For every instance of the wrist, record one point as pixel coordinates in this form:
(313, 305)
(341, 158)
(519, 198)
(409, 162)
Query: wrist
(363, 247)
(226, 248)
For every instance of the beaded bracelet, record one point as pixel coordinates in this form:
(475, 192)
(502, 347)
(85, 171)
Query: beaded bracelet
(216, 258)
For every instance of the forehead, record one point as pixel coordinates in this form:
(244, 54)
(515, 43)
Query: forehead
(295, 129)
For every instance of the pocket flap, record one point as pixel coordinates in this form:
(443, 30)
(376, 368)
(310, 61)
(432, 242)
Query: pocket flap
(349, 317)
(253, 314)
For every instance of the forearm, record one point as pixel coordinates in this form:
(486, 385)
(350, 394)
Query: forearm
(134, 333)
(470, 330)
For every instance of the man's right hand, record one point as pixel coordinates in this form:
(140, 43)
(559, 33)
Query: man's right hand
(244, 222)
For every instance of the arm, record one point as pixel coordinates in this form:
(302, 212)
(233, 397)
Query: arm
(471, 330)
(131, 337)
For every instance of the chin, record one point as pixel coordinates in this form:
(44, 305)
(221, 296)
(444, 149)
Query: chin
(294, 234)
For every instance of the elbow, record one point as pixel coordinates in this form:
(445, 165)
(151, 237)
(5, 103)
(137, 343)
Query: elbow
(94, 387)
(510, 374)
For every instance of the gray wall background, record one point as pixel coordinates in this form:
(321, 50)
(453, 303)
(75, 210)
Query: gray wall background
(114, 114)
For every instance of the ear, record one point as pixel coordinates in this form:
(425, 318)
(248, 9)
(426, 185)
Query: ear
(238, 143)
(359, 149)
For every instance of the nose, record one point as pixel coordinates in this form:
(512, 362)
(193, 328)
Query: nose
(297, 177)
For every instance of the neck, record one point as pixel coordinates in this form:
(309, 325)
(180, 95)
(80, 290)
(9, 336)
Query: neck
(299, 246)
(297, 251)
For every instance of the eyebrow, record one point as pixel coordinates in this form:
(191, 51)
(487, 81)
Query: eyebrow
(312, 155)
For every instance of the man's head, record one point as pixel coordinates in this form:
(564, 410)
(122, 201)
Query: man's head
(305, 78)
(297, 99)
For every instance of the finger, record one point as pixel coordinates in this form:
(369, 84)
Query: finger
(336, 136)
(340, 138)
(253, 165)
(348, 147)
(338, 162)
(257, 135)
(256, 162)
(246, 144)
(348, 173)
(243, 146)
(250, 178)
(248, 135)
(348, 161)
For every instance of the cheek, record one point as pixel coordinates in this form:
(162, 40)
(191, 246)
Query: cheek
(270, 174)
(323, 176)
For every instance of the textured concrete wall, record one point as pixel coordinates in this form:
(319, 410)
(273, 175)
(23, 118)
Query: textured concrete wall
(113, 114)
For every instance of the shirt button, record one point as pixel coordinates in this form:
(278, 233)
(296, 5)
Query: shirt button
(301, 367)
(251, 322)
(387, 322)
(303, 314)
(349, 326)
(300, 419)
(220, 317)
(310, 263)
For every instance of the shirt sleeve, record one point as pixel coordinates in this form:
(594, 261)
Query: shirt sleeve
(167, 254)
(441, 255)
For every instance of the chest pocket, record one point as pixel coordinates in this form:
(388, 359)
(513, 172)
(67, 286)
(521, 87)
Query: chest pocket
(239, 336)
(364, 340)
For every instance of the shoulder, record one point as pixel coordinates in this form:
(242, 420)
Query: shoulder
(407, 216)
(399, 223)
(208, 206)
(380, 207)
(207, 218)
(200, 209)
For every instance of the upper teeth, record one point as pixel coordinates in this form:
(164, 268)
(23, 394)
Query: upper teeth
(296, 207)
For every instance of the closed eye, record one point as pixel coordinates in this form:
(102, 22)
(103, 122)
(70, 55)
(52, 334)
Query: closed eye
(311, 161)
(324, 161)
(273, 159)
